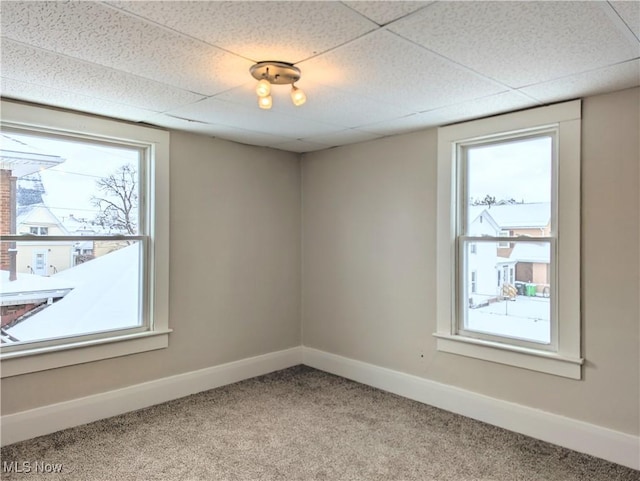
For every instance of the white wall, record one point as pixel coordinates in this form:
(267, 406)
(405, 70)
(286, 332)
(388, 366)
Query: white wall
(369, 267)
(235, 272)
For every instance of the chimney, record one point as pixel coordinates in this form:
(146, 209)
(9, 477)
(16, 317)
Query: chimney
(8, 222)
(5, 216)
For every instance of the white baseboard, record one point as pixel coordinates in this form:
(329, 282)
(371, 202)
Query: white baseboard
(48, 419)
(577, 435)
(587, 438)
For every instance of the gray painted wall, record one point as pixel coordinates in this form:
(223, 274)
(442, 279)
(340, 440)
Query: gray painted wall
(234, 279)
(368, 279)
(369, 268)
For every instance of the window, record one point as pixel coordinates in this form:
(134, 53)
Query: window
(504, 244)
(92, 284)
(39, 230)
(521, 306)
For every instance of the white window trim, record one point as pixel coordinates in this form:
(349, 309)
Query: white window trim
(157, 337)
(566, 361)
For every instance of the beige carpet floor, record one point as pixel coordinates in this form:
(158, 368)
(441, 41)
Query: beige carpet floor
(300, 424)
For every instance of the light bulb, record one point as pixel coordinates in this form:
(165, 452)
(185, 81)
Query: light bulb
(297, 96)
(263, 88)
(265, 102)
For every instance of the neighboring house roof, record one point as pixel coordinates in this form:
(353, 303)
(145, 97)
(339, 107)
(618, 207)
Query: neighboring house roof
(25, 212)
(23, 159)
(474, 212)
(82, 227)
(28, 288)
(513, 216)
(105, 297)
(531, 252)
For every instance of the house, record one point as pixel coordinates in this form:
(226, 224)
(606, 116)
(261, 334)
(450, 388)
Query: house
(18, 160)
(311, 235)
(533, 260)
(483, 259)
(46, 257)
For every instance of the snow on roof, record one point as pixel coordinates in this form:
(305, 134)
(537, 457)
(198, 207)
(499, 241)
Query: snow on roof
(24, 212)
(80, 226)
(537, 214)
(473, 211)
(105, 298)
(23, 159)
(531, 252)
(30, 283)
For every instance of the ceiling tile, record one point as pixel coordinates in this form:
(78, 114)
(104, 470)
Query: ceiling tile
(520, 43)
(18, 90)
(385, 12)
(403, 125)
(301, 146)
(494, 104)
(216, 130)
(608, 79)
(388, 69)
(40, 67)
(630, 14)
(251, 118)
(342, 137)
(324, 104)
(100, 34)
(287, 31)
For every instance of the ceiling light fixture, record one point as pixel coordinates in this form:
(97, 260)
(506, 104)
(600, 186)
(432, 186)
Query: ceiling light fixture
(270, 73)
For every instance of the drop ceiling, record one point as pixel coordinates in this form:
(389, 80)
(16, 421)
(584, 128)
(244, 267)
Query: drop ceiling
(369, 69)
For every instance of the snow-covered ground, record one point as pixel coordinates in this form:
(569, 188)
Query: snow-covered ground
(525, 318)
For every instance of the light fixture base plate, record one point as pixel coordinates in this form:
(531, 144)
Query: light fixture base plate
(278, 73)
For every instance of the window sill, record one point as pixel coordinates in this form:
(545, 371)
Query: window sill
(23, 362)
(541, 361)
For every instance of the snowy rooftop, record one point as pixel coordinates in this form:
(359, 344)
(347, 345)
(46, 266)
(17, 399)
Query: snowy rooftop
(28, 287)
(536, 214)
(23, 159)
(105, 297)
(531, 252)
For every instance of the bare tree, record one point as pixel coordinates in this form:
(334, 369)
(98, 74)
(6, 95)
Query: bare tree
(119, 202)
(488, 200)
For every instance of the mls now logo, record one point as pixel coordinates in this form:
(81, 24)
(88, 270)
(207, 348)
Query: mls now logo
(29, 467)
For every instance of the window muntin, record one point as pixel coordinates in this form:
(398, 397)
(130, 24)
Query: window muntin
(85, 275)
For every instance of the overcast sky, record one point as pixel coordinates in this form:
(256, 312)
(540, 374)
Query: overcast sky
(519, 170)
(70, 185)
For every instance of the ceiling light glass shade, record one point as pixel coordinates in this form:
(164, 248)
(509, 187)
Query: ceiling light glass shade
(297, 96)
(265, 102)
(263, 88)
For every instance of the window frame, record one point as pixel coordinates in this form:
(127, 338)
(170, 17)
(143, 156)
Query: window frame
(504, 244)
(38, 230)
(504, 236)
(563, 358)
(153, 334)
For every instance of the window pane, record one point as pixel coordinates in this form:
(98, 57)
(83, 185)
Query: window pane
(508, 188)
(62, 289)
(68, 187)
(508, 296)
